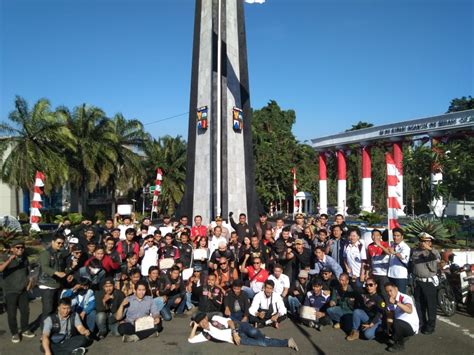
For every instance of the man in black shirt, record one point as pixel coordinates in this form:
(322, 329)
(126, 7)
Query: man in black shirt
(242, 228)
(212, 297)
(15, 271)
(185, 250)
(107, 301)
(173, 288)
(236, 303)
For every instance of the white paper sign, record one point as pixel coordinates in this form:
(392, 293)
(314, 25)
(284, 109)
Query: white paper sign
(144, 323)
(124, 210)
(200, 254)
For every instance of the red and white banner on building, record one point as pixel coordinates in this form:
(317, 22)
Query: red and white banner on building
(394, 206)
(156, 193)
(35, 214)
(296, 203)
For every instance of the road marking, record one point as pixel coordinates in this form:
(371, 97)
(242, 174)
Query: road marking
(455, 325)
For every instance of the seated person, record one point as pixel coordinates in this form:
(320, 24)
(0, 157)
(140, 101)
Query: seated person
(317, 299)
(256, 275)
(153, 283)
(63, 332)
(222, 252)
(405, 318)
(172, 287)
(225, 274)
(225, 330)
(341, 304)
(298, 291)
(212, 297)
(267, 307)
(236, 303)
(82, 302)
(281, 281)
(194, 287)
(134, 307)
(107, 302)
(323, 261)
(328, 279)
(368, 312)
(93, 272)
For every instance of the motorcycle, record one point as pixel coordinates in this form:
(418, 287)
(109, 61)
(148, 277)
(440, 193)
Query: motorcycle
(446, 297)
(456, 288)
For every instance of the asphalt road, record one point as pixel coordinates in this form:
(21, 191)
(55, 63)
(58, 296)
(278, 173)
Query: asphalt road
(454, 335)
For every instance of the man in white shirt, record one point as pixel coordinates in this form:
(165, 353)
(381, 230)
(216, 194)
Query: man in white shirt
(225, 330)
(216, 239)
(267, 307)
(399, 258)
(149, 254)
(166, 227)
(281, 281)
(405, 318)
(354, 258)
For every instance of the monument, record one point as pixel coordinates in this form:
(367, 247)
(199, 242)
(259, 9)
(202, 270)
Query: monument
(220, 174)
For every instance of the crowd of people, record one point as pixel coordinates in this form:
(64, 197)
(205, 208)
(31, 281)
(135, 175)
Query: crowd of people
(126, 278)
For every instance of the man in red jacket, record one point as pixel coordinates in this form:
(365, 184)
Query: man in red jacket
(108, 264)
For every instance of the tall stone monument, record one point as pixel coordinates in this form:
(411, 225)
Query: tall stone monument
(220, 174)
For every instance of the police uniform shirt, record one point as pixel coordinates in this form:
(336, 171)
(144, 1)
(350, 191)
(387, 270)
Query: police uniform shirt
(425, 262)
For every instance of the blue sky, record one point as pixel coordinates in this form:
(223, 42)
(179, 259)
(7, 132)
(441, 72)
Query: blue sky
(334, 62)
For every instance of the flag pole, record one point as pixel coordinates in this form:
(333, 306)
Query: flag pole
(219, 111)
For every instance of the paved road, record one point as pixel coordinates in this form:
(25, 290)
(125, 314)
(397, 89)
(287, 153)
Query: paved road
(454, 335)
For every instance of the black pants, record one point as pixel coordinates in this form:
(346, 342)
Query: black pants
(49, 301)
(426, 300)
(400, 331)
(16, 301)
(253, 319)
(381, 281)
(68, 345)
(129, 329)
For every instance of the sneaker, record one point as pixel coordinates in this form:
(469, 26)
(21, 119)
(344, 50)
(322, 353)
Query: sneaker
(16, 338)
(130, 338)
(337, 326)
(317, 327)
(395, 348)
(292, 344)
(78, 351)
(157, 334)
(28, 334)
(353, 336)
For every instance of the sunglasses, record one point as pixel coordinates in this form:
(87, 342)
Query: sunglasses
(60, 243)
(370, 285)
(19, 247)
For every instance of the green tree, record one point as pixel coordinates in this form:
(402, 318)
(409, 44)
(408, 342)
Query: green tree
(36, 140)
(461, 104)
(169, 154)
(94, 159)
(360, 125)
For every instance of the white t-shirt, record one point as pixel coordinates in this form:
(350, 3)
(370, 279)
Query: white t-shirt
(398, 269)
(123, 228)
(354, 254)
(213, 244)
(410, 318)
(280, 283)
(150, 258)
(165, 230)
(214, 332)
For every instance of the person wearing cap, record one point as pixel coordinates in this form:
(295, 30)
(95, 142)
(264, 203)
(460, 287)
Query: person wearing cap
(303, 256)
(425, 260)
(325, 261)
(223, 329)
(15, 270)
(82, 302)
(328, 279)
(298, 292)
(107, 302)
(236, 303)
(225, 231)
(318, 300)
(115, 233)
(261, 226)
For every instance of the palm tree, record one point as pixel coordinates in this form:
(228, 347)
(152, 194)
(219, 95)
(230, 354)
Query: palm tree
(169, 154)
(93, 161)
(129, 172)
(36, 140)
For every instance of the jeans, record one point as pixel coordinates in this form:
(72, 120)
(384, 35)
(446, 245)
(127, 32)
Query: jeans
(426, 299)
(189, 302)
(237, 316)
(400, 331)
(67, 346)
(16, 301)
(254, 337)
(293, 304)
(358, 317)
(336, 313)
(170, 304)
(105, 322)
(129, 329)
(401, 284)
(249, 292)
(89, 320)
(49, 301)
(263, 322)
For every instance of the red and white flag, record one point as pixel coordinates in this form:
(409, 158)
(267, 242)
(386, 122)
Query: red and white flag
(393, 197)
(35, 214)
(296, 204)
(156, 193)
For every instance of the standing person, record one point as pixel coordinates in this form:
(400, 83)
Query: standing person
(297, 229)
(242, 228)
(284, 254)
(185, 250)
(146, 222)
(149, 254)
(425, 267)
(216, 239)
(128, 245)
(339, 220)
(279, 225)
(134, 307)
(379, 258)
(198, 230)
(15, 271)
(53, 274)
(261, 226)
(166, 227)
(224, 330)
(267, 307)
(124, 223)
(399, 258)
(354, 258)
(337, 244)
(324, 261)
(63, 332)
(405, 319)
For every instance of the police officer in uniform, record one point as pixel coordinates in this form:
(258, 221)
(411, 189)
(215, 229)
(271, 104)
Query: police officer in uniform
(425, 260)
